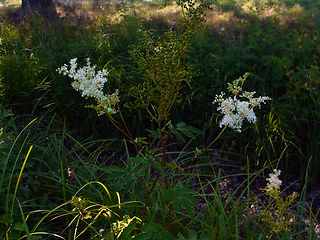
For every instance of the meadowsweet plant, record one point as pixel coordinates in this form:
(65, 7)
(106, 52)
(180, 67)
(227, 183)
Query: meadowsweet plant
(239, 107)
(167, 81)
(277, 218)
(90, 83)
(162, 63)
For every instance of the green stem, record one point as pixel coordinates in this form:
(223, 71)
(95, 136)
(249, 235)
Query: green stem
(163, 140)
(209, 146)
(124, 123)
(115, 124)
(196, 156)
(144, 211)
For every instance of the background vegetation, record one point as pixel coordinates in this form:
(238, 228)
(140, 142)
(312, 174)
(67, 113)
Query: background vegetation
(52, 146)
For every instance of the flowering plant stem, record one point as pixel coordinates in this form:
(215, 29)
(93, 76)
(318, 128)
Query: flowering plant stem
(163, 160)
(197, 155)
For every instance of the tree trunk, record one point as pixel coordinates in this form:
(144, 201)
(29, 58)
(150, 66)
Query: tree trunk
(45, 8)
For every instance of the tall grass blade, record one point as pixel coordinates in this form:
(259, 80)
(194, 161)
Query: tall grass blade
(43, 233)
(19, 177)
(9, 153)
(11, 176)
(45, 216)
(26, 229)
(101, 184)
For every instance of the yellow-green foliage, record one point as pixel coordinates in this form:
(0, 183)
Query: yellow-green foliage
(11, 3)
(163, 64)
(164, 69)
(79, 203)
(277, 218)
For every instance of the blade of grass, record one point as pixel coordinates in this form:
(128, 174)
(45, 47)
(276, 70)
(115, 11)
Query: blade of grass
(11, 178)
(19, 178)
(5, 167)
(45, 216)
(26, 229)
(44, 233)
(89, 183)
(9, 154)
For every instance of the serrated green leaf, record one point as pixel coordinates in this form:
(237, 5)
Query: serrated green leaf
(193, 200)
(165, 236)
(112, 169)
(141, 140)
(155, 207)
(116, 175)
(176, 203)
(166, 195)
(205, 237)
(136, 168)
(17, 226)
(147, 174)
(181, 237)
(140, 160)
(187, 133)
(154, 134)
(184, 191)
(192, 129)
(140, 173)
(142, 236)
(188, 206)
(182, 126)
(160, 168)
(179, 136)
(4, 114)
(152, 228)
(192, 235)
(172, 166)
(129, 184)
(108, 236)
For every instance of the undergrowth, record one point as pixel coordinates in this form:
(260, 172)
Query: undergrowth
(67, 173)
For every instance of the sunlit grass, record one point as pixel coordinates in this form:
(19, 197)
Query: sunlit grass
(11, 3)
(223, 14)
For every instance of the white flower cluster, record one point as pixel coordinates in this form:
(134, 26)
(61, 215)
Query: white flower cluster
(90, 83)
(273, 181)
(234, 110)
